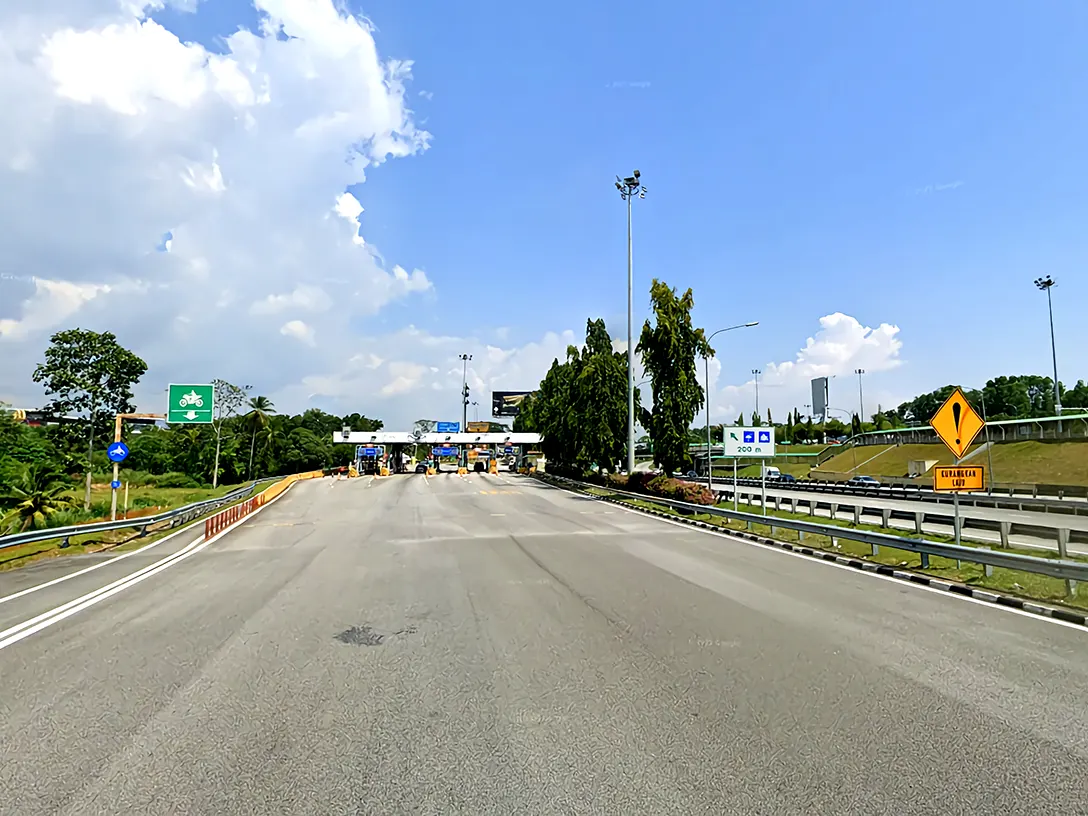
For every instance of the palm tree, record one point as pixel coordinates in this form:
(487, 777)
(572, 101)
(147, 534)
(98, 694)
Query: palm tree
(36, 493)
(257, 419)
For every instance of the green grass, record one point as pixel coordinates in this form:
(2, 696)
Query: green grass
(114, 540)
(1026, 585)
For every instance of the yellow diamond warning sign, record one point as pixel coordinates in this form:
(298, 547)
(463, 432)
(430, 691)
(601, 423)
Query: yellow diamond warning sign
(957, 423)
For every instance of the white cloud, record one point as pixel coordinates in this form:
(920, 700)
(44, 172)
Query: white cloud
(119, 140)
(309, 298)
(298, 330)
(841, 346)
(52, 301)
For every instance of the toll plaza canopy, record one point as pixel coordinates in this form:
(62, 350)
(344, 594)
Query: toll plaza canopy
(410, 438)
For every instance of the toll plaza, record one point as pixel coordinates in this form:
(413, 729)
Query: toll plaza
(392, 451)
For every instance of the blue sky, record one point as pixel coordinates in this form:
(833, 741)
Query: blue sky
(800, 158)
(795, 155)
(911, 164)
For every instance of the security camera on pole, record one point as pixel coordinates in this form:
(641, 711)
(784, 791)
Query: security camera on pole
(629, 188)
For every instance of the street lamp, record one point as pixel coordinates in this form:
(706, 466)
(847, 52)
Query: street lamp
(464, 358)
(629, 188)
(755, 373)
(861, 396)
(706, 365)
(1045, 284)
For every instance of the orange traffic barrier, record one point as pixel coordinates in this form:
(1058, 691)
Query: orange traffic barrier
(223, 519)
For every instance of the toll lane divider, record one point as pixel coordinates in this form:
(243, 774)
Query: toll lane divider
(223, 519)
(1071, 572)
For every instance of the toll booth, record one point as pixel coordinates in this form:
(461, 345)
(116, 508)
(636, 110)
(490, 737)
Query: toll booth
(369, 459)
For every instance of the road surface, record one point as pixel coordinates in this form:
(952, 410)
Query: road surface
(1043, 540)
(492, 645)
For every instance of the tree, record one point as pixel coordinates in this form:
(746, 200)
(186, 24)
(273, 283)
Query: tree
(260, 408)
(88, 373)
(35, 493)
(601, 399)
(740, 420)
(228, 399)
(668, 349)
(769, 420)
(756, 421)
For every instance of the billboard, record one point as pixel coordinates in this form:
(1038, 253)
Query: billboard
(477, 427)
(819, 398)
(507, 403)
(758, 441)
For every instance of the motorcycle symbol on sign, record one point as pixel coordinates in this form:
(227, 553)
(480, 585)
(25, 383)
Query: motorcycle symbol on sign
(192, 398)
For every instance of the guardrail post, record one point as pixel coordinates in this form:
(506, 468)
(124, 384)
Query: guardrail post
(925, 560)
(793, 504)
(918, 518)
(777, 502)
(800, 535)
(1006, 528)
(857, 514)
(812, 507)
(886, 517)
(64, 542)
(834, 510)
(143, 531)
(1063, 551)
(986, 568)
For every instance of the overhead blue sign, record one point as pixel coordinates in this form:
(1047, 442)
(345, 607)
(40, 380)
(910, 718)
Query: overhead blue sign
(369, 453)
(449, 427)
(508, 449)
(117, 452)
(115, 484)
(444, 451)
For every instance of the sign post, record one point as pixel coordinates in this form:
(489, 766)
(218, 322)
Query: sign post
(957, 424)
(755, 442)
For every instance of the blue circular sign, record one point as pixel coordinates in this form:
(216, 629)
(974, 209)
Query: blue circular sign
(117, 452)
(115, 484)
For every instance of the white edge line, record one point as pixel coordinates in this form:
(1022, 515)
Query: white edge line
(899, 582)
(105, 563)
(29, 627)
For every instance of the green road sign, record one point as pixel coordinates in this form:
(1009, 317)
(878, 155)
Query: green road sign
(190, 404)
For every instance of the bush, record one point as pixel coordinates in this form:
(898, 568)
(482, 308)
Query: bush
(176, 480)
(653, 484)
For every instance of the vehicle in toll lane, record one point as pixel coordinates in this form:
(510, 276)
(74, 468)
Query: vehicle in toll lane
(421, 467)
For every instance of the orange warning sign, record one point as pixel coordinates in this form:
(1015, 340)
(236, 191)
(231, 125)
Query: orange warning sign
(963, 477)
(957, 423)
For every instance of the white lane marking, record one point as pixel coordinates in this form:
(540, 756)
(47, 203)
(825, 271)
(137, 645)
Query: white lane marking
(113, 560)
(498, 514)
(898, 581)
(27, 628)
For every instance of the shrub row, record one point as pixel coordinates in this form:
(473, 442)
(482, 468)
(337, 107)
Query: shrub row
(650, 484)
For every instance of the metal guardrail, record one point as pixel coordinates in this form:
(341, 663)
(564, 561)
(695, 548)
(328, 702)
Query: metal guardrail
(1044, 526)
(176, 517)
(1069, 571)
(920, 493)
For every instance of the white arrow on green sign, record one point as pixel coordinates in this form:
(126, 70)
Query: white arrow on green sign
(190, 404)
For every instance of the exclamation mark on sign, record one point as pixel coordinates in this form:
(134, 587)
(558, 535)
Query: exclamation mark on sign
(956, 418)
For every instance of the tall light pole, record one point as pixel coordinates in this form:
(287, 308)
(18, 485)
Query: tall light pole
(1045, 284)
(706, 365)
(861, 396)
(464, 358)
(629, 188)
(756, 372)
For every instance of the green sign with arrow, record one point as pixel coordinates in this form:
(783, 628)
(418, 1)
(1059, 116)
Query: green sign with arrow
(190, 404)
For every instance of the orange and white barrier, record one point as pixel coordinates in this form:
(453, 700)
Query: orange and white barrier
(223, 519)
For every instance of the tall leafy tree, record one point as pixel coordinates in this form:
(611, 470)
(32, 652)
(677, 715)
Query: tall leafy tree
(260, 409)
(668, 348)
(229, 399)
(91, 375)
(601, 399)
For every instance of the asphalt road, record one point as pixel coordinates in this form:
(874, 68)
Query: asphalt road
(491, 645)
(1043, 540)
